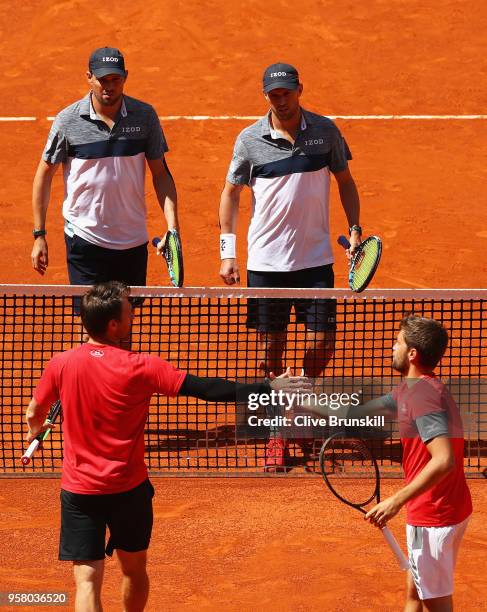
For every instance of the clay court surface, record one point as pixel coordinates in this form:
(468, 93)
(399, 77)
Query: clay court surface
(240, 544)
(421, 182)
(257, 544)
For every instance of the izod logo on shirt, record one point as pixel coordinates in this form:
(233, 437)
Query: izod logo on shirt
(97, 353)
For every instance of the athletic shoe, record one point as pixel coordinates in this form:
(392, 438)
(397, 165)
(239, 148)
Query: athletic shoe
(276, 455)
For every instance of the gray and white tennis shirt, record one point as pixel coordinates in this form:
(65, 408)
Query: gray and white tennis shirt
(104, 170)
(289, 229)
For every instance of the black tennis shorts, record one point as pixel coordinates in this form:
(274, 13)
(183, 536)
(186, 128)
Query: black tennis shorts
(84, 519)
(89, 264)
(272, 315)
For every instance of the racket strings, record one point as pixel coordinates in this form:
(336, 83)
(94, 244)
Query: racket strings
(365, 263)
(169, 250)
(350, 471)
(174, 259)
(174, 256)
(171, 256)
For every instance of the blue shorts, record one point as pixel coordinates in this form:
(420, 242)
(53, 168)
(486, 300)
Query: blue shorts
(273, 314)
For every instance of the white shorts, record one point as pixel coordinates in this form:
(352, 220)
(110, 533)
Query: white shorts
(433, 553)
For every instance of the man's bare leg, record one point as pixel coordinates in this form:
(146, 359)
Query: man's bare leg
(135, 583)
(88, 576)
(413, 602)
(439, 604)
(320, 347)
(270, 351)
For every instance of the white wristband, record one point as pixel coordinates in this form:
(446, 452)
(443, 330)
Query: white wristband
(228, 246)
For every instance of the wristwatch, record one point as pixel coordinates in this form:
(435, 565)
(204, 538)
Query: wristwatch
(38, 233)
(355, 228)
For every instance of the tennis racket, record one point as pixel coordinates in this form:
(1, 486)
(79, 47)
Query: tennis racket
(364, 261)
(173, 254)
(342, 461)
(34, 445)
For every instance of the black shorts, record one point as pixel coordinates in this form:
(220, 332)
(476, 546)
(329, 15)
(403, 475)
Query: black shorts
(89, 264)
(84, 519)
(272, 315)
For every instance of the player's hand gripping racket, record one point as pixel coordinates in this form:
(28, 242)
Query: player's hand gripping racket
(173, 254)
(34, 445)
(364, 261)
(342, 461)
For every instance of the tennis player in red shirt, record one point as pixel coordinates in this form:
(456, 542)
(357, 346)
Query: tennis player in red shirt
(105, 392)
(436, 494)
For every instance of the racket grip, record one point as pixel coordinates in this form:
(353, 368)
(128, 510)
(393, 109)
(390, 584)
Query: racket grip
(33, 446)
(342, 241)
(155, 241)
(396, 549)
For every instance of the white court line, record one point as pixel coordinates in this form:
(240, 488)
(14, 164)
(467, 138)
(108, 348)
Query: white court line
(410, 117)
(255, 117)
(18, 118)
(349, 117)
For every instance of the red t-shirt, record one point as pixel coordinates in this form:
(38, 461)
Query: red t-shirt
(426, 410)
(105, 393)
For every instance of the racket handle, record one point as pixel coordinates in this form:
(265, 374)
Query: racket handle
(342, 241)
(396, 549)
(33, 446)
(155, 241)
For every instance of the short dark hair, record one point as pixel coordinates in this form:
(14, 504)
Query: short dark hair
(427, 336)
(101, 304)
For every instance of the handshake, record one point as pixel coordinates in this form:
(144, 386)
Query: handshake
(300, 393)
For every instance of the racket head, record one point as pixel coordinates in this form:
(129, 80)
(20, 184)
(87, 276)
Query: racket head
(350, 471)
(173, 254)
(364, 263)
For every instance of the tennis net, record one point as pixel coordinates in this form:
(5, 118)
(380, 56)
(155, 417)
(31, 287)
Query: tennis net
(204, 331)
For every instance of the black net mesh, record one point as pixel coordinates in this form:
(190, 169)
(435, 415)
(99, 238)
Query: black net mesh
(204, 332)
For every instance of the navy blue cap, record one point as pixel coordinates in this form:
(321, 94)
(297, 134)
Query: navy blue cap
(106, 60)
(280, 75)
